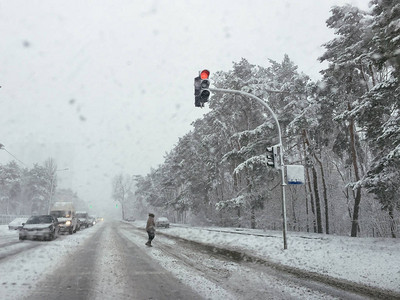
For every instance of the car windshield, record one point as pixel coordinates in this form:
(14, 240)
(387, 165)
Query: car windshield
(39, 220)
(189, 149)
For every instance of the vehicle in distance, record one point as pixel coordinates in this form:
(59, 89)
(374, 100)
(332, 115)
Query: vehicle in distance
(83, 217)
(65, 213)
(162, 222)
(92, 220)
(78, 224)
(40, 227)
(17, 223)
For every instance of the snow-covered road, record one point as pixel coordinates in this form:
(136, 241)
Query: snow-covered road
(214, 276)
(110, 261)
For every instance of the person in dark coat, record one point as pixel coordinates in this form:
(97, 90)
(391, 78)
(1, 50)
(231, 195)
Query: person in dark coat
(151, 229)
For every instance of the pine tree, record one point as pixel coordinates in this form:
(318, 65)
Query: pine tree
(345, 81)
(380, 113)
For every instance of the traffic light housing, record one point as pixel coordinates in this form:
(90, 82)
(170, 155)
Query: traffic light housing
(201, 88)
(273, 156)
(197, 90)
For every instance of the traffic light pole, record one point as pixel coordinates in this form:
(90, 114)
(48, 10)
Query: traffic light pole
(282, 168)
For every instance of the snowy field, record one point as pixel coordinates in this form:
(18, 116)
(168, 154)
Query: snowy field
(370, 261)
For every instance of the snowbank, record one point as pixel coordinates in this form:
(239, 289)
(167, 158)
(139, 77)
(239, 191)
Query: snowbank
(370, 261)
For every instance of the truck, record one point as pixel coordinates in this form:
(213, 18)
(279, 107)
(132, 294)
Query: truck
(66, 215)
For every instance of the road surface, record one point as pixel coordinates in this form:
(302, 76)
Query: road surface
(110, 261)
(129, 273)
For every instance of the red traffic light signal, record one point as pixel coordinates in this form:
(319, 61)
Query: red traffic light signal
(201, 88)
(204, 74)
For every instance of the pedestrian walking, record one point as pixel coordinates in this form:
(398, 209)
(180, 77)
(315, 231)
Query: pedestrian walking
(151, 229)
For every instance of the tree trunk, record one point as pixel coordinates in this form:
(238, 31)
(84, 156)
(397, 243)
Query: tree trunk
(311, 201)
(305, 185)
(252, 203)
(123, 210)
(253, 217)
(306, 193)
(293, 213)
(357, 200)
(392, 222)
(324, 194)
(306, 144)
(239, 217)
(235, 189)
(317, 201)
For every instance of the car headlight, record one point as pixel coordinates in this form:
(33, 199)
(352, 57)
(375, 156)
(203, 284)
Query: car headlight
(68, 223)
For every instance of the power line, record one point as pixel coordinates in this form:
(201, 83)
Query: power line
(3, 148)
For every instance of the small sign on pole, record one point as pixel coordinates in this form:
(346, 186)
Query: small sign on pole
(295, 174)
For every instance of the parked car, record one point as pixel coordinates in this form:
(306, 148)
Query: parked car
(162, 222)
(17, 223)
(92, 221)
(83, 217)
(78, 225)
(40, 227)
(65, 213)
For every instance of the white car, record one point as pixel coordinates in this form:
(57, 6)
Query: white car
(43, 227)
(17, 223)
(162, 222)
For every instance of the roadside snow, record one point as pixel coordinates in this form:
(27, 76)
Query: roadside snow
(370, 261)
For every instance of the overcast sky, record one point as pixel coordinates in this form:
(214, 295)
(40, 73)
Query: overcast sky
(106, 87)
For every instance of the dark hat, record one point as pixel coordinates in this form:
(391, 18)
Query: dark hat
(151, 215)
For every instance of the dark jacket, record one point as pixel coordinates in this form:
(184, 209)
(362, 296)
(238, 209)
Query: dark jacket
(150, 226)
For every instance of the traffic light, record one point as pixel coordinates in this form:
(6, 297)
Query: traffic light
(197, 90)
(201, 91)
(273, 156)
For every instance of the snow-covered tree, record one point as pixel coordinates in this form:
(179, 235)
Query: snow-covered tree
(345, 82)
(380, 112)
(37, 189)
(122, 190)
(10, 187)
